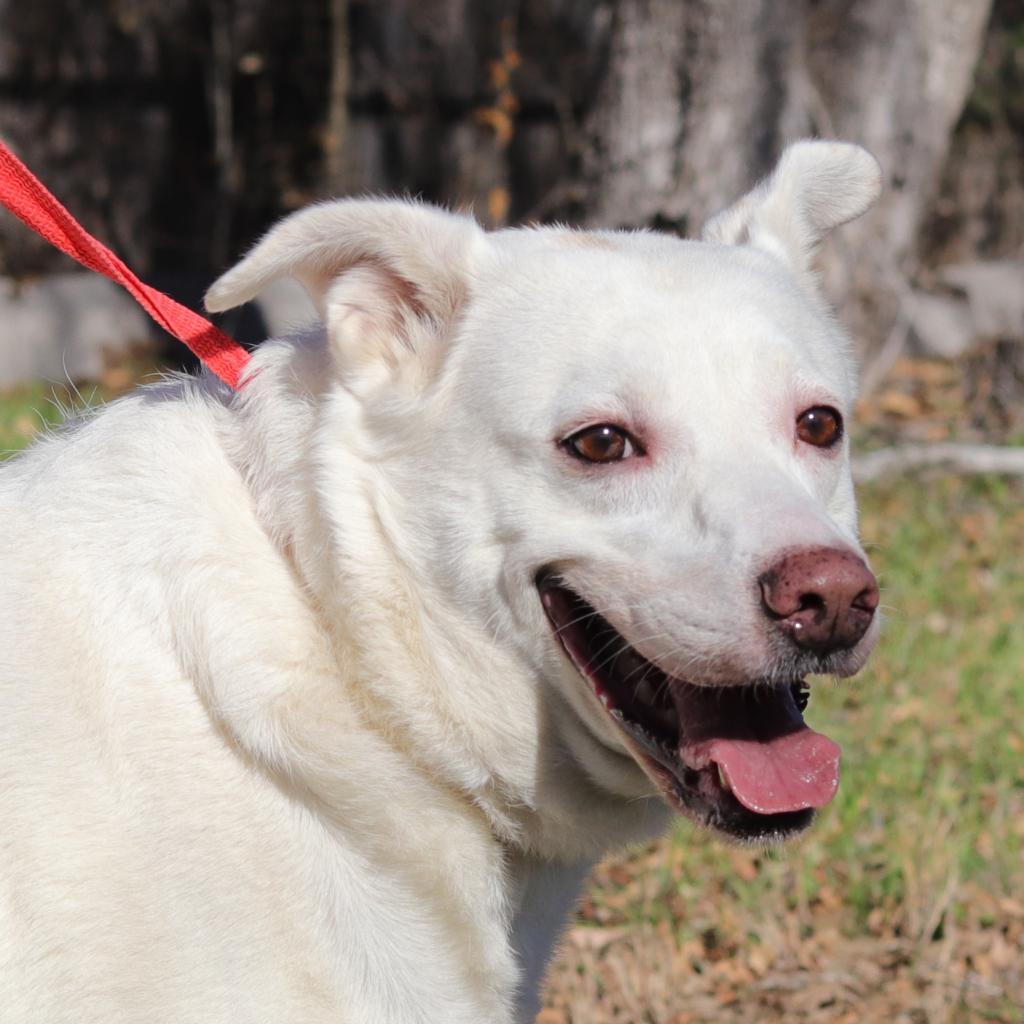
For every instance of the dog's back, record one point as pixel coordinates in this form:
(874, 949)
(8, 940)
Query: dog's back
(151, 871)
(128, 821)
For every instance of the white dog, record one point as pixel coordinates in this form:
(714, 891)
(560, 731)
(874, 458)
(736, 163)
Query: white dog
(319, 700)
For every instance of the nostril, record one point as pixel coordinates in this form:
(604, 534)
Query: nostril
(866, 600)
(781, 600)
(812, 602)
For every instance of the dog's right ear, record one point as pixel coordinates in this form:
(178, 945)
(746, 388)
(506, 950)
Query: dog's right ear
(387, 276)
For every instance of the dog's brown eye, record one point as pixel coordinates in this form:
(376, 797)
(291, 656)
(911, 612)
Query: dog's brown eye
(603, 443)
(821, 426)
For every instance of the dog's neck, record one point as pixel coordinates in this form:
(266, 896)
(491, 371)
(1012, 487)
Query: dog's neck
(457, 716)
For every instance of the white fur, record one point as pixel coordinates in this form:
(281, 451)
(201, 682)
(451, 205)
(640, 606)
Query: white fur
(816, 187)
(286, 735)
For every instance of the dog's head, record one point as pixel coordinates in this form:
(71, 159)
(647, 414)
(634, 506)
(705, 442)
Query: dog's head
(622, 456)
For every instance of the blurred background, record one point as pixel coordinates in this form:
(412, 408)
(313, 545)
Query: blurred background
(177, 131)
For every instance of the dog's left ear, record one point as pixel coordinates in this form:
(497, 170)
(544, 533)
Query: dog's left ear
(815, 187)
(387, 277)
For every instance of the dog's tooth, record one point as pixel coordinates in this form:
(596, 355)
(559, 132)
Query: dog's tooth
(723, 781)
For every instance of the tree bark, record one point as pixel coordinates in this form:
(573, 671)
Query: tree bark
(179, 129)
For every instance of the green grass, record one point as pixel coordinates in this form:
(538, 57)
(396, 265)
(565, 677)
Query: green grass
(29, 410)
(933, 786)
(934, 732)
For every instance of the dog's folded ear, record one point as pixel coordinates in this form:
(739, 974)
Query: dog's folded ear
(384, 274)
(815, 187)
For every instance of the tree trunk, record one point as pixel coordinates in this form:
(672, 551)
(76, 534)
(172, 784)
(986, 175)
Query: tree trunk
(179, 129)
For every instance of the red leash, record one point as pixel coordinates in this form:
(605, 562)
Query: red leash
(26, 197)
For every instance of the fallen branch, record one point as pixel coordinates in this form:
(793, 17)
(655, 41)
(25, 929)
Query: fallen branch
(957, 458)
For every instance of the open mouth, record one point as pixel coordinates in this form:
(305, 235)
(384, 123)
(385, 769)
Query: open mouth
(738, 759)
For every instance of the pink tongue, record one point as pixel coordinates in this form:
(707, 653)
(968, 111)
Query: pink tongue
(785, 773)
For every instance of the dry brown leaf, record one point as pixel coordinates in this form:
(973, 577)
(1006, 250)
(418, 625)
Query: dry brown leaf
(899, 403)
(117, 378)
(928, 371)
(759, 960)
(1008, 905)
(745, 866)
(594, 938)
(26, 426)
(551, 1016)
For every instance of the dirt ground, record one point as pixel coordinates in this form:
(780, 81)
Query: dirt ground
(800, 968)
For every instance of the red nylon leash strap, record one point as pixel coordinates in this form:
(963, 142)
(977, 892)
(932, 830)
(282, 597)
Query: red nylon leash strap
(28, 199)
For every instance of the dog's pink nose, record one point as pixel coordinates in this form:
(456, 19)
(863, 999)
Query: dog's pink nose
(823, 599)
